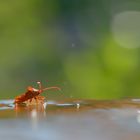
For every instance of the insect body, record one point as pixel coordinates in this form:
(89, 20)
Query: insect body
(32, 93)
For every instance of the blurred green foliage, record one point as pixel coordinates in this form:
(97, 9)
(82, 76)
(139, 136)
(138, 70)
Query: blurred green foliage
(69, 44)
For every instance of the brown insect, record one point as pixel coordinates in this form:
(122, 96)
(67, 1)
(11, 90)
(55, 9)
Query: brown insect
(32, 93)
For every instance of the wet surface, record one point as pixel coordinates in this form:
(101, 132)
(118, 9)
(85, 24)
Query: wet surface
(71, 120)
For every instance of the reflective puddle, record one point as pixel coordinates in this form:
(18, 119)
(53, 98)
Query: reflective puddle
(71, 119)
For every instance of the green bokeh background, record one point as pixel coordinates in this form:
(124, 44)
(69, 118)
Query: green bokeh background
(69, 44)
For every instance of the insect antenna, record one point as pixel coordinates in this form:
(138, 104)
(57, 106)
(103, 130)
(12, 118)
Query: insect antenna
(40, 85)
(51, 88)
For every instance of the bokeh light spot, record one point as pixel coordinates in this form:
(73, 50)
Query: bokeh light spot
(126, 29)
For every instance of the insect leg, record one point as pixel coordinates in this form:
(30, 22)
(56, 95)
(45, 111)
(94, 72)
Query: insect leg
(30, 100)
(36, 100)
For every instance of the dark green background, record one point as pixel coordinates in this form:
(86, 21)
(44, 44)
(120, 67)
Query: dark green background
(68, 43)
